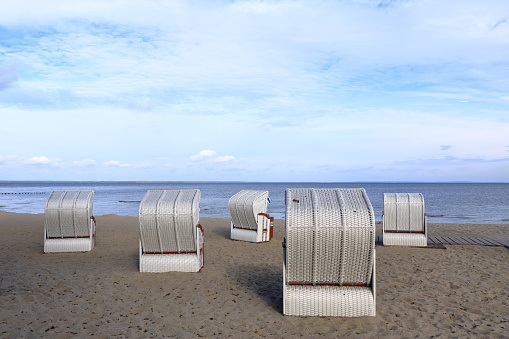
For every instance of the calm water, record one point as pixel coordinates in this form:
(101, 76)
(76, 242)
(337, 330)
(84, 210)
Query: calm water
(473, 203)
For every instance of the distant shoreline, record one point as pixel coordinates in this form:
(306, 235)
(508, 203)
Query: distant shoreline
(434, 229)
(473, 203)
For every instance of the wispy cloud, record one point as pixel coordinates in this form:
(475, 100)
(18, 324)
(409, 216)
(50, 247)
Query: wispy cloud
(13, 161)
(40, 161)
(326, 85)
(225, 159)
(115, 163)
(203, 154)
(211, 157)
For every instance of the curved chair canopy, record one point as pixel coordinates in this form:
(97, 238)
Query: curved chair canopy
(171, 238)
(69, 225)
(250, 221)
(404, 220)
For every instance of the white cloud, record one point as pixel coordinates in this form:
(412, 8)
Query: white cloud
(84, 163)
(203, 154)
(140, 79)
(224, 159)
(18, 162)
(39, 161)
(210, 157)
(115, 163)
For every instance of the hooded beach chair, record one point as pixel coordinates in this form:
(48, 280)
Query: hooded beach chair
(329, 253)
(171, 238)
(69, 225)
(250, 221)
(404, 220)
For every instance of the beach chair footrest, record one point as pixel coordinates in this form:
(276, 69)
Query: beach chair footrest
(159, 263)
(405, 239)
(329, 301)
(244, 234)
(68, 245)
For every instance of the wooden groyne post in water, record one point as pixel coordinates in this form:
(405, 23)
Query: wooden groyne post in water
(22, 192)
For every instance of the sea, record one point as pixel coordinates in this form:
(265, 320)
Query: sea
(471, 203)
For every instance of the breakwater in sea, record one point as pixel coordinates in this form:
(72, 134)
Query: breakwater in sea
(474, 203)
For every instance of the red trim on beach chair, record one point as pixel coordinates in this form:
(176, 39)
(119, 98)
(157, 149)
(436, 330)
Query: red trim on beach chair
(81, 236)
(326, 284)
(267, 216)
(418, 232)
(271, 226)
(192, 252)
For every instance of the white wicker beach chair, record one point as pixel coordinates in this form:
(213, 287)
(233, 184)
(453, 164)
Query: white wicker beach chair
(171, 238)
(69, 225)
(329, 253)
(404, 220)
(250, 221)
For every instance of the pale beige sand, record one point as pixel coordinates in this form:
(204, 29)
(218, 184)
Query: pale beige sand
(458, 292)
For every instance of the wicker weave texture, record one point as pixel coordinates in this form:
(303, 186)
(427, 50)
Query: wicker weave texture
(330, 240)
(330, 236)
(161, 263)
(168, 220)
(248, 215)
(405, 239)
(68, 213)
(245, 206)
(329, 301)
(404, 213)
(68, 225)
(244, 235)
(177, 262)
(263, 234)
(68, 245)
(170, 236)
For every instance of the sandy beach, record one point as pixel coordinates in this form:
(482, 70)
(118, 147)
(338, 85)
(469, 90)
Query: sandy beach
(461, 291)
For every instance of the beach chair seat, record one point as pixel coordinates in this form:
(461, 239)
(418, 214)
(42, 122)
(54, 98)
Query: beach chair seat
(69, 224)
(329, 253)
(249, 218)
(404, 220)
(171, 238)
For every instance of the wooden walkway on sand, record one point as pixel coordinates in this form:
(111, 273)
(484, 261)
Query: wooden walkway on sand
(461, 241)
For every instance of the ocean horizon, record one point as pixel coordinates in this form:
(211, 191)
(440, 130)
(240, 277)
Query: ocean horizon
(445, 202)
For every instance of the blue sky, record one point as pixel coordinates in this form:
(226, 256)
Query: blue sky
(290, 90)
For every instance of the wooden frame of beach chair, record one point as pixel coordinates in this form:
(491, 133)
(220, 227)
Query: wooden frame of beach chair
(69, 224)
(249, 218)
(171, 238)
(404, 220)
(329, 253)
